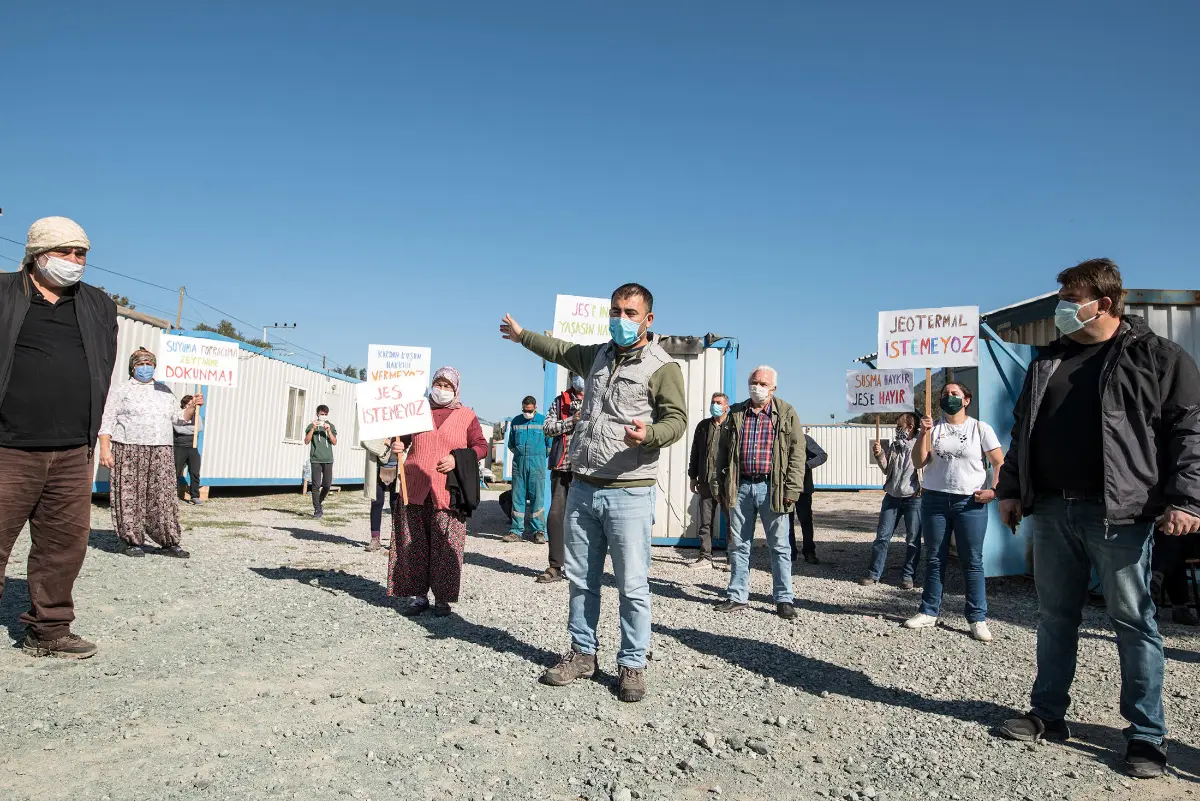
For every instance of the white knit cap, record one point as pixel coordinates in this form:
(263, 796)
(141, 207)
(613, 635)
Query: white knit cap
(51, 233)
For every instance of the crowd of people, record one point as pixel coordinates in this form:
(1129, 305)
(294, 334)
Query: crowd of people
(1102, 474)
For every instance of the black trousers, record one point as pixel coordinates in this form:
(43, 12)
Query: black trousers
(322, 476)
(560, 484)
(377, 504)
(803, 512)
(189, 457)
(1168, 558)
(708, 519)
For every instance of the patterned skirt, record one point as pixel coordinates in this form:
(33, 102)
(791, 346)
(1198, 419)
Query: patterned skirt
(143, 494)
(427, 551)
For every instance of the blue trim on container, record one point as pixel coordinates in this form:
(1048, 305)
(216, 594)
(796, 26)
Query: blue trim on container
(263, 352)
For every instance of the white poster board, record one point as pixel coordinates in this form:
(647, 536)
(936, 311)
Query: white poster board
(192, 360)
(946, 337)
(879, 391)
(392, 408)
(581, 320)
(398, 361)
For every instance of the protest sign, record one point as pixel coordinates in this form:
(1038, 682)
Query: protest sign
(393, 407)
(191, 360)
(931, 338)
(879, 391)
(583, 321)
(398, 361)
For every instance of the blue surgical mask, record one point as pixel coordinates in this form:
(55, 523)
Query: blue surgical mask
(577, 384)
(624, 332)
(716, 410)
(1066, 316)
(144, 373)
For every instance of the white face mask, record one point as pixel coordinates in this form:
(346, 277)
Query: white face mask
(759, 393)
(60, 272)
(321, 418)
(441, 396)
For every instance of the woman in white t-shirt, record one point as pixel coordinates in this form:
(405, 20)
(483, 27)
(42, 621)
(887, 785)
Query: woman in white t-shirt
(955, 502)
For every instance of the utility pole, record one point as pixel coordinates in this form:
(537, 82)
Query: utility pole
(322, 361)
(275, 325)
(179, 314)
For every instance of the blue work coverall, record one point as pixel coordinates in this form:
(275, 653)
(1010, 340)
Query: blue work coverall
(529, 446)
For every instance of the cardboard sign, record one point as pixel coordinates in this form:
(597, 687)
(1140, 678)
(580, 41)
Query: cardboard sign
(191, 360)
(583, 321)
(398, 361)
(947, 337)
(879, 391)
(392, 408)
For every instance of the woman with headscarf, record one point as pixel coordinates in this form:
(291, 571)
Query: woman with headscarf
(428, 536)
(137, 446)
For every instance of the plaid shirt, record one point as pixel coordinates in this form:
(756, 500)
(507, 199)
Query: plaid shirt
(758, 440)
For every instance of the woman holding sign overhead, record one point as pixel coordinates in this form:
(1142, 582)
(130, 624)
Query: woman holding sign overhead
(955, 454)
(429, 535)
(137, 446)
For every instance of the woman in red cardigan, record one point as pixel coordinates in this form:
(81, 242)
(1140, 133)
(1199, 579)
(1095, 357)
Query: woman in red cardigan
(428, 537)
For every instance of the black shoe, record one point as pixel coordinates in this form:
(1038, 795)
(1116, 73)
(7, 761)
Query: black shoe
(811, 559)
(1185, 616)
(1145, 760)
(1030, 728)
(867, 581)
(414, 608)
(441, 609)
(731, 606)
(318, 514)
(133, 550)
(785, 611)
(174, 551)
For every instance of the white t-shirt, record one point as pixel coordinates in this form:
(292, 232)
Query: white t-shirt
(957, 463)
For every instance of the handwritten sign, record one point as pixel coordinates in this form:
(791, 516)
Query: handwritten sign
(583, 321)
(879, 391)
(398, 361)
(392, 407)
(191, 360)
(947, 337)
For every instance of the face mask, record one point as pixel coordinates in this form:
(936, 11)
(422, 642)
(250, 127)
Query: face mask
(1066, 316)
(144, 373)
(759, 393)
(901, 434)
(577, 384)
(441, 396)
(951, 404)
(60, 272)
(528, 415)
(321, 418)
(716, 410)
(624, 332)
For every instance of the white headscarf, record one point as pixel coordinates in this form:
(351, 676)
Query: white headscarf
(51, 233)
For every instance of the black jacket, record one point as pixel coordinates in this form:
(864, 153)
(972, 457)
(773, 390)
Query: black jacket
(699, 464)
(815, 456)
(1150, 402)
(97, 315)
(463, 482)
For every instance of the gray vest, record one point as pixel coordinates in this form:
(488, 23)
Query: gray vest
(612, 399)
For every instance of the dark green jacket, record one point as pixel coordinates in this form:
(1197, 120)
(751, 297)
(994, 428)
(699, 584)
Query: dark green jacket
(787, 456)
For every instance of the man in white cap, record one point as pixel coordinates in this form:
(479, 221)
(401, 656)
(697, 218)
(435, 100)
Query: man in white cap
(58, 343)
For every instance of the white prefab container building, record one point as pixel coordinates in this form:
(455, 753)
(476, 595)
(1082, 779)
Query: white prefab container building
(850, 465)
(253, 435)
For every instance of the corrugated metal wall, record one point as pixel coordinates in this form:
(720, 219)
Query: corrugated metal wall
(850, 465)
(1178, 323)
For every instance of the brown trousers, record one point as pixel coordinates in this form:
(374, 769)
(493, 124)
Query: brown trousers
(52, 491)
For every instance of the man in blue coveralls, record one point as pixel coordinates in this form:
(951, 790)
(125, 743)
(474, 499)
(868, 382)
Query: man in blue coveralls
(528, 444)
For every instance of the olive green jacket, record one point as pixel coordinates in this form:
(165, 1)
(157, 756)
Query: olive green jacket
(787, 456)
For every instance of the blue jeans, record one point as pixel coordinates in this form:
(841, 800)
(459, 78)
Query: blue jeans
(1069, 540)
(616, 522)
(753, 502)
(889, 518)
(943, 514)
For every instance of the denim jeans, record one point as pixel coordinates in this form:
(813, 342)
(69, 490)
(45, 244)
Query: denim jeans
(943, 514)
(889, 517)
(1070, 538)
(753, 502)
(616, 522)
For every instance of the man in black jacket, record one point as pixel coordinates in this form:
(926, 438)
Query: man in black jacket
(58, 342)
(814, 457)
(1106, 445)
(702, 470)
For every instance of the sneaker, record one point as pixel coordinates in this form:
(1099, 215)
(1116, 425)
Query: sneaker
(375, 544)
(69, 646)
(920, 621)
(981, 632)
(318, 514)
(539, 538)
(701, 561)
(133, 550)
(1185, 616)
(785, 611)
(442, 609)
(573, 665)
(906, 584)
(728, 606)
(510, 537)
(631, 684)
(1145, 760)
(549, 576)
(415, 607)
(867, 581)
(197, 502)
(175, 551)
(1030, 728)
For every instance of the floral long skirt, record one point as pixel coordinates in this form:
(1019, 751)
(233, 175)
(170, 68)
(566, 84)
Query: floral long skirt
(427, 551)
(143, 494)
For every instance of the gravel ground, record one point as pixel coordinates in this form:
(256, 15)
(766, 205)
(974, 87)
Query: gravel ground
(272, 665)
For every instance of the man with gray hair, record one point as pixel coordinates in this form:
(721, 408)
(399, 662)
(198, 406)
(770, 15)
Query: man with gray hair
(58, 343)
(760, 469)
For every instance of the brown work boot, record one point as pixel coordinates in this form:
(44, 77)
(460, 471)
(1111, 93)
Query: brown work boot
(69, 646)
(375, 543)
(539, 538)
(573, 665)
(510, 537)
(631, 684)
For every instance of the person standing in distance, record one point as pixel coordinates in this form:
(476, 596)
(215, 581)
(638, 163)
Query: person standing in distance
(320, 437)
(702, 470)
(634, 405)
(560, 424)
(1105, 448)
(528, 444)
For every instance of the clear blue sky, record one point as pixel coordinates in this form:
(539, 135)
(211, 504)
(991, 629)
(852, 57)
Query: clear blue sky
(406, 173)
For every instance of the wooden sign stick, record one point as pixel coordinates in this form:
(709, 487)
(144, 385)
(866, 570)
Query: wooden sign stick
(876, 429)
(929, 403)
